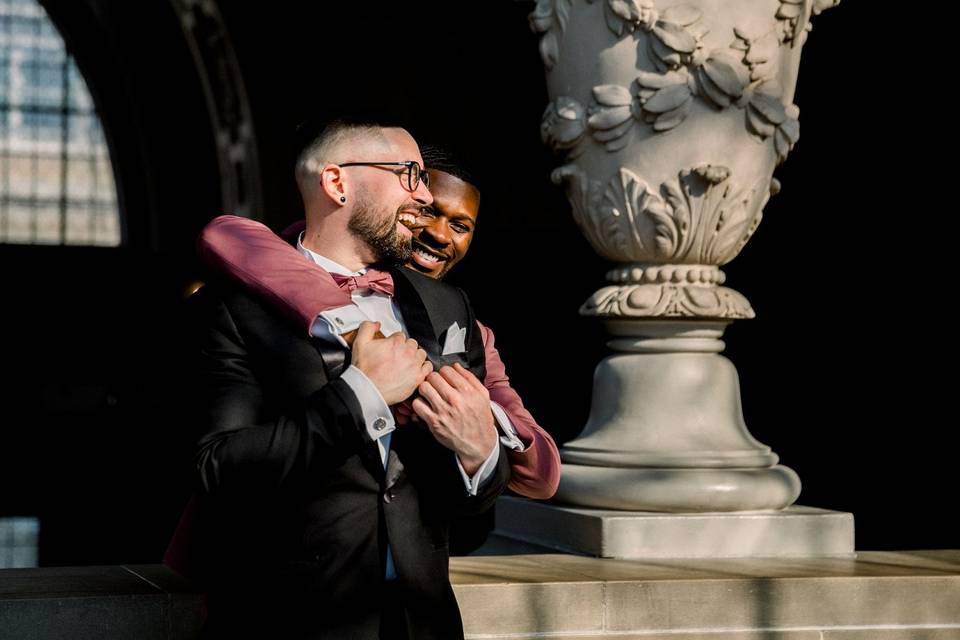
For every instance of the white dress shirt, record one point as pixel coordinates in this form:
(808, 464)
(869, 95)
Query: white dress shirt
(377, 417)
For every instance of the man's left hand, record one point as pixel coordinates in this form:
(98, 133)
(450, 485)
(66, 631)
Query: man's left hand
(455, 406)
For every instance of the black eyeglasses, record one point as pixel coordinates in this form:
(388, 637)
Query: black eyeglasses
(411, 169)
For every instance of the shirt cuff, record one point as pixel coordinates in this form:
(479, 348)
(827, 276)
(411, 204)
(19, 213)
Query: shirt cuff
(485, 471)
(339, 320)
(377, 417)
(508, 433)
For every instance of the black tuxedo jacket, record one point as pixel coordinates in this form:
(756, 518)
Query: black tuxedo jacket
(296, 508)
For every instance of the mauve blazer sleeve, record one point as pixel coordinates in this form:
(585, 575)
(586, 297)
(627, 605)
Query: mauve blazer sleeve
(271, 269)
(536, 470)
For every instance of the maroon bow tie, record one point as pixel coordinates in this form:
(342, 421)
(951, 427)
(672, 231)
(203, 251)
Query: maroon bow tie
(373, 279)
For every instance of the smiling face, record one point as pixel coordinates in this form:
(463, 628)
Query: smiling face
(383, 205)
(379, 230)
(443, 232)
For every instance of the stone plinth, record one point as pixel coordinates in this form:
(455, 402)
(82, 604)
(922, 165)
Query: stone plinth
(794, 532)
(876, 596)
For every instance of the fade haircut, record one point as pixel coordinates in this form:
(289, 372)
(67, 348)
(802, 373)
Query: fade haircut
(322, 149)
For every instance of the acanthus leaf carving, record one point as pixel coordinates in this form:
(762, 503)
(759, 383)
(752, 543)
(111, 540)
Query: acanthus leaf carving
(699, 218)
(584, 195)
(639, 214)
(668, 231)
(682, 213)
(730, 217)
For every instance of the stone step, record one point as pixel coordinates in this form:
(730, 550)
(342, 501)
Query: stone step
(874, 596)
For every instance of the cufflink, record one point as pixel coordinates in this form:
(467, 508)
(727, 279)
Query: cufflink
(379, 424)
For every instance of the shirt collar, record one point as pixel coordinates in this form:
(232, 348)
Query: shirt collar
(325, 263)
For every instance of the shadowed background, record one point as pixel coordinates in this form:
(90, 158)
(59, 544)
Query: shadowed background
(844, 373)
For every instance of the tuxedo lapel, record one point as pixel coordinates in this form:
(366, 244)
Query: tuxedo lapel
(429, 325)
(416, 318)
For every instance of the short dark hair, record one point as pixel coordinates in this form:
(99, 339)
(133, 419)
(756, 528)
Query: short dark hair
(443, 159)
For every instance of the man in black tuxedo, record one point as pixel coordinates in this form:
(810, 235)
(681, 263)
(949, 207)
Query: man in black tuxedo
(318, 517)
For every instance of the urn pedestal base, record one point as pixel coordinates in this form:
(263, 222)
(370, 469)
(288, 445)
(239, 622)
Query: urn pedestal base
(666, 429)
(524, 525)
(678, 490)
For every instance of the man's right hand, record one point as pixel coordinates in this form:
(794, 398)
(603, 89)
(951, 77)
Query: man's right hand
(395, 365)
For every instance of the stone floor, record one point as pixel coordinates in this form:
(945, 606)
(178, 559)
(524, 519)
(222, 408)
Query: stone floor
(875, 596)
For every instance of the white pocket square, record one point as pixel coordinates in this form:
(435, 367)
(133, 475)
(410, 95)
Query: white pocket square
(455, 340)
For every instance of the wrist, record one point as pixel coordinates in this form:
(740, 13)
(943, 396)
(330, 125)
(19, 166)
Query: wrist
(470, 464)
(472, 460)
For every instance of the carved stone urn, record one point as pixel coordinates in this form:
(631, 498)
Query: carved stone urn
(669, 119)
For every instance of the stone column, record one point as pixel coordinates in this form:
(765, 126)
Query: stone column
(669, 119)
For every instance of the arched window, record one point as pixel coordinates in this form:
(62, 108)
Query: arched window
(56, 179)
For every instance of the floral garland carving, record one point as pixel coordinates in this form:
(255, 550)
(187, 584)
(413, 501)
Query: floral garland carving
(742, 75)
(794, 18)
(549, 17)
(563, 125)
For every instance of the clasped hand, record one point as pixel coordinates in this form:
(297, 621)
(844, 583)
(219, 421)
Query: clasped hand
(395, 365)
(453, 403)
(455, 406)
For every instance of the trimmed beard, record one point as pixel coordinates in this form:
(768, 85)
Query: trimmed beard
(379, 230)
